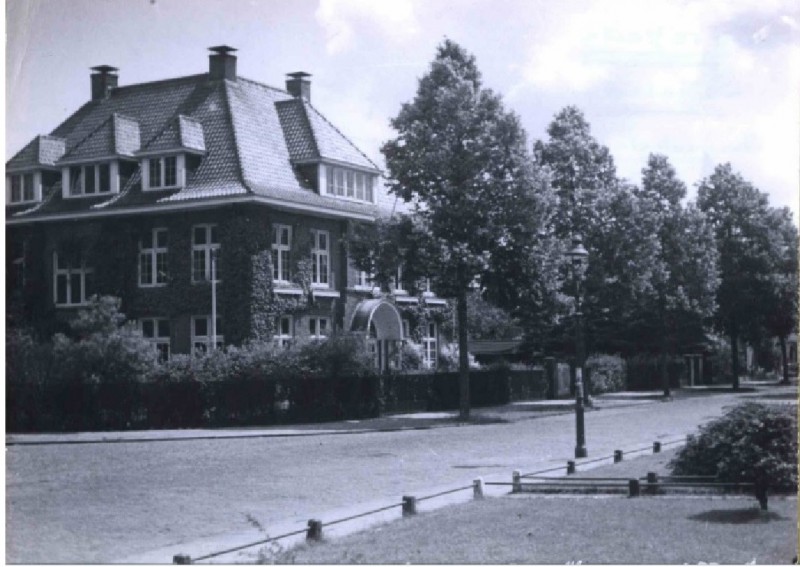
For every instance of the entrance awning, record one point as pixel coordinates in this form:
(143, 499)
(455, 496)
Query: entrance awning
(380, 313)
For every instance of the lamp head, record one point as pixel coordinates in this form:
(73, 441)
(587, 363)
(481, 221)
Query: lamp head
(578, 254)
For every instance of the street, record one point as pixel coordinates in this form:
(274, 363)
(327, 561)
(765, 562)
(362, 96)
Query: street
(105, 502)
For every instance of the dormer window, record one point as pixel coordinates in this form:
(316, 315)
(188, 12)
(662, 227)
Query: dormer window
(90, 180)
(163, 172)
(23, 187)
(349, 184)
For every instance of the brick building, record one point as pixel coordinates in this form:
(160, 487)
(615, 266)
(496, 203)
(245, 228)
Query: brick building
(206, 189)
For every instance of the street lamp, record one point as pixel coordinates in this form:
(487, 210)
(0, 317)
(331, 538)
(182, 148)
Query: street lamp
(578, 256)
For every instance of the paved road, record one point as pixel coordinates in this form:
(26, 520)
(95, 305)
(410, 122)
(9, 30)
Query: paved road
(113, 502)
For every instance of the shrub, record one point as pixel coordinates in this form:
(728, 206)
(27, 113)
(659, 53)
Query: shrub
(606, 372)
(751, 443)
(643, 372)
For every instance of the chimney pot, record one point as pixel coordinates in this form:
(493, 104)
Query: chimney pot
(103, 79)
(298, 85)
(222, 63)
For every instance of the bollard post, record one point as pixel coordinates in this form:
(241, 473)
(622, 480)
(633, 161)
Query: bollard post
(314, 532)
(477, 489)
(652, 482)
(617, 456)
(633, 488)
(570, 467)
(516, 482)
(181, 560)
(409, 506)
(656, 446)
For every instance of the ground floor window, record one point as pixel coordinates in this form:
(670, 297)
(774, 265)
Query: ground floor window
(284, 331)
(73, 280)
(202, 334)
(156, 330)
(318, 328)
(429, 346)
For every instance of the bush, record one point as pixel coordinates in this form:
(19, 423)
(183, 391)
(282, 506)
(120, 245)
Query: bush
(643, 372)
(606, 372)
(751, 443)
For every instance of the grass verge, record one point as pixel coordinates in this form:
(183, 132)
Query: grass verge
(561, 529)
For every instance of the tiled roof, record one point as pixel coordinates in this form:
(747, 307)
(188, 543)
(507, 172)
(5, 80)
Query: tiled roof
(41, 151)
(249, 135)
(118, 135)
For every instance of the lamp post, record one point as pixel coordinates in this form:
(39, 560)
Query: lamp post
(578, 256)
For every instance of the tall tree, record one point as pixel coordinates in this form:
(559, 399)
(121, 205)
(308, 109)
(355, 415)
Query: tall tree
(461, 160)
(739, 214)
(683, 275)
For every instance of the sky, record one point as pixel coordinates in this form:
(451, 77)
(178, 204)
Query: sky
(703, 82)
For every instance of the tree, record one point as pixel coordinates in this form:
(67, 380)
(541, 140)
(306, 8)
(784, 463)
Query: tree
(461, 160)
(780, 315)
(683, 275)
(740, 217)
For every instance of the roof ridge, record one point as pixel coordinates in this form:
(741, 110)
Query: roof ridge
(263, 85)
(349, 141)
(236, 148)
(310, 126)
(49, 197)
(136, 177)
(91, 133)
(189, 104)
(159, 82)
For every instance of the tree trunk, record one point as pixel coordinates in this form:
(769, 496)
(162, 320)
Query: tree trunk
(664, 369)
(735, 360)
(463, 356)
(784, 361)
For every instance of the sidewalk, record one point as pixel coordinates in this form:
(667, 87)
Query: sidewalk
(509, 413)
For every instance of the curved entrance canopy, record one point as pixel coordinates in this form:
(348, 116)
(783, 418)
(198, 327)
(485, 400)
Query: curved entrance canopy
(380, 315)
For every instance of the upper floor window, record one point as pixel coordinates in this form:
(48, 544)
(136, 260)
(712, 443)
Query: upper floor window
(284, 331)
(90, 179)
(397, 280)
(281, 245)
(22, 187)
(363, 279)
(204, 336)
(153, 258)
(162, 172)
(350, 184)
(73, 280)
(205, 246)
(320, 257)
(156, 330)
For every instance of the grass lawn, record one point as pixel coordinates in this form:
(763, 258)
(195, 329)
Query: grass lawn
(530, 528)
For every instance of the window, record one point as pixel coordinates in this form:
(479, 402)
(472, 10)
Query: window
(73, 281)
(23, 188)
(153, 258)
(406, 328)
(348, 183)
(281, 244)
(429, 349)
(156, 330)
(318, 328)
(283, 331)
(19, 252)
(202, 334)
(397, 280)
(363, 279)
(205, 245)
(320, 257)
(162, 172)
(90, 179)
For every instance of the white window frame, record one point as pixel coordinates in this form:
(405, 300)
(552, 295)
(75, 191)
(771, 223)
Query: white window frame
(319, 328)
(283, 337)
(207, 249)
(82, 272)
(35, 187)
(397, 281)
(202, 343)
(349, 184)
(319, 277)
(161, 164)
(76, 188)
(430, 341)
(281, 253)
(363, 280)
(154, 252)
(161, 342)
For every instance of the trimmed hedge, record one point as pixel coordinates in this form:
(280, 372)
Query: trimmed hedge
(606, 373)
(644, 372)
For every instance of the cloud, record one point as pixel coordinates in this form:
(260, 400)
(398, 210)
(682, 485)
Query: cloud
(344, 21)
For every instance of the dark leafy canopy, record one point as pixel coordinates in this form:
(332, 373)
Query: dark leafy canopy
(752, 250)
(461, 160)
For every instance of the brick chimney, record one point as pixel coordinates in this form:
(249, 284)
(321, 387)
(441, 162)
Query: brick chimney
(222, 63)
(104, 78)
(298, 85)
